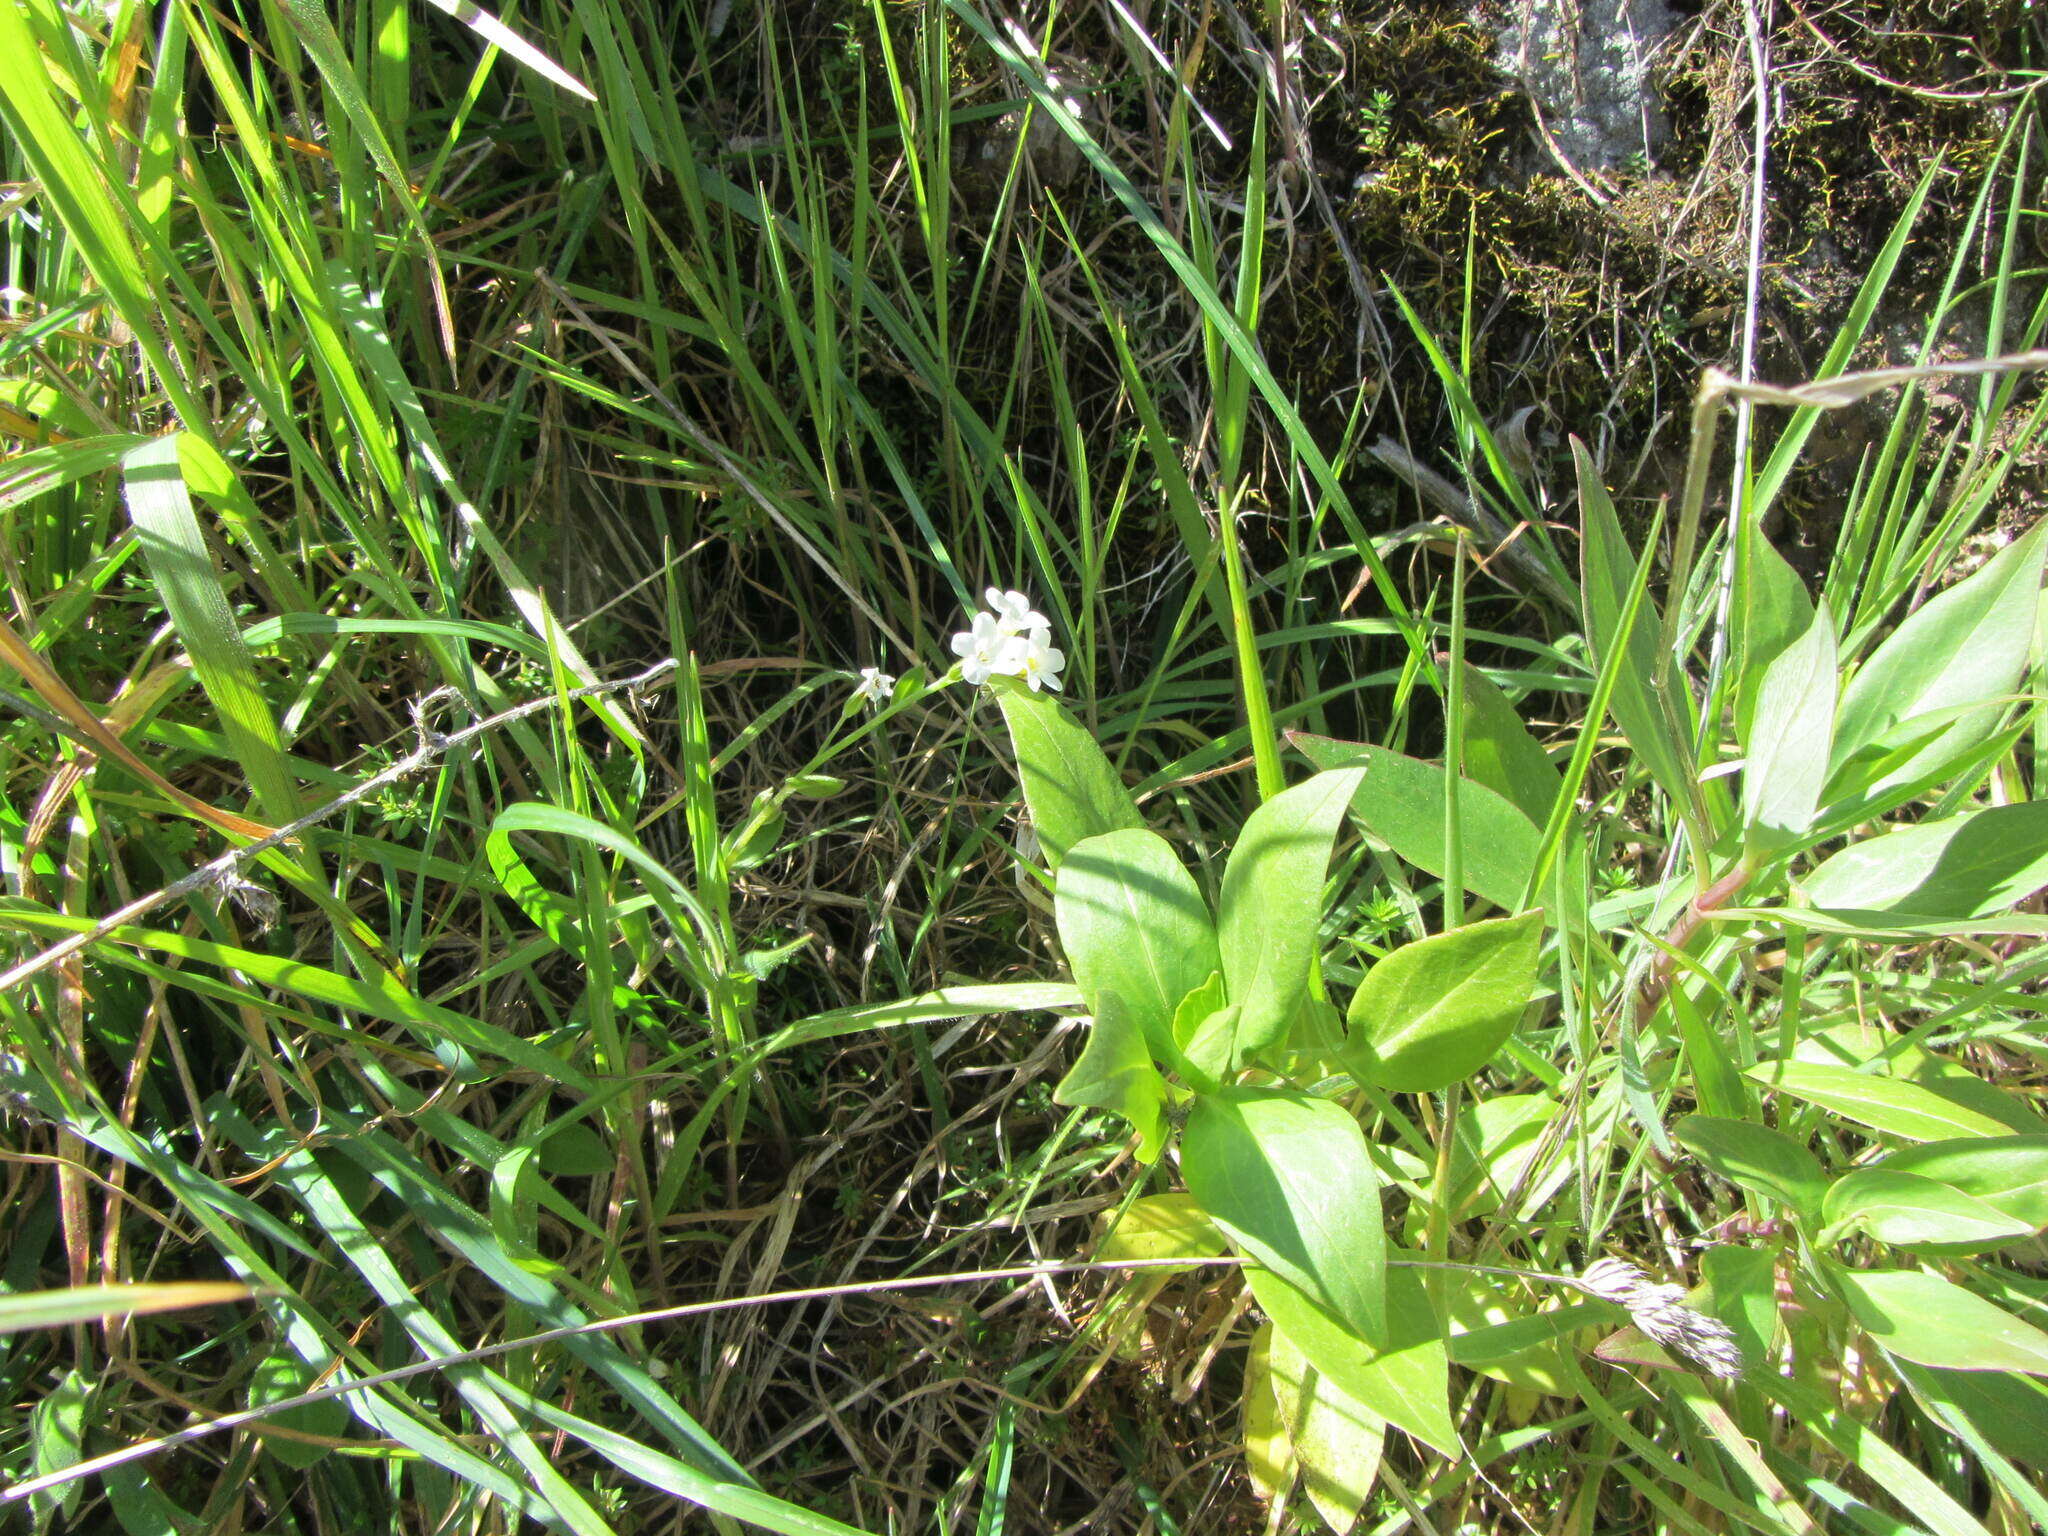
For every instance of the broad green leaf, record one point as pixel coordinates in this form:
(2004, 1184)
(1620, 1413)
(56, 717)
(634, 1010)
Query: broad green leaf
(1407, 1383)
(89, 1303)
(1877, 760)
(1931, 1321)
(1072, 789)
(1286, 1176)
(1496, 1332)
(1205, 1034)
(1497, 1140)
(1882, 1103)
(2008, 1173)
(1963, 866)
(1433, 1012)
(1959, 1085)
(1607, 571)
(1115, 1073)
(1337, 1439)
(1269, 1457)
(1272, 904)
(1787, 763)
(280, 1376)
(1502, 755)
(1132, 922)
(574, 1152)
(1402, 804)
(1211, 1053)
(1864, 1045)
(1771, 612)
(1163, 1227)
(1740, 1286)
(56, 1432)
(1193, 1011)
(2010, 1411)
(1759, 1159)
(1910, 1211)
(1966, 646)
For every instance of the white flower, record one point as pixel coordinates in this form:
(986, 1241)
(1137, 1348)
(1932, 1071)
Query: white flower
(1040, 663)
(986, 649)
(874, 686)
(1015, 640)
(1014, 614)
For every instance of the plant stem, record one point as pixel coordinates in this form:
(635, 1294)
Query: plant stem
(1258, 711)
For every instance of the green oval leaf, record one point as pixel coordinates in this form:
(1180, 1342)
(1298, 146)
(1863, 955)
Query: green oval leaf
(1407, 1382)
(1272, 903)
(1115, 1073)
(1966, 646)
(1433, 1013)
(1882, 1103)
(2008, 1173)
(1402, 804)
(1501, 754)
(1133, 922)
(1958, 867)
(1163, 1227)
(278, 1377)
(1910, 1211)
(1286, 1176)
(1072, 789)
(1789, 741)
(1764, 1161)
(1926, 1319)
(1336, 1438)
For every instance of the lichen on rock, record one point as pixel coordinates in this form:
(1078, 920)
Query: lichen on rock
(1589, 68)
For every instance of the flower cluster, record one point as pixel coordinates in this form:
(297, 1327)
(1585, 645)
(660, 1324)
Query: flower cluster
(1660, 1312)
(1013, 640)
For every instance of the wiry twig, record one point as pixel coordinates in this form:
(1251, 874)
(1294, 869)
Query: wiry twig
(225, 871)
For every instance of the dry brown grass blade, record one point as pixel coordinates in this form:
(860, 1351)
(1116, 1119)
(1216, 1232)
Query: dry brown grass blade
(56, 1309)
(57, 694)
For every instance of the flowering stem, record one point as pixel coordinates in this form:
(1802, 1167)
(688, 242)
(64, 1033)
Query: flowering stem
(1258, 712)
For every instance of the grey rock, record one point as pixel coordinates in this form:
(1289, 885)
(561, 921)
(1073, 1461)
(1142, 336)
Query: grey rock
(1589, 68)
